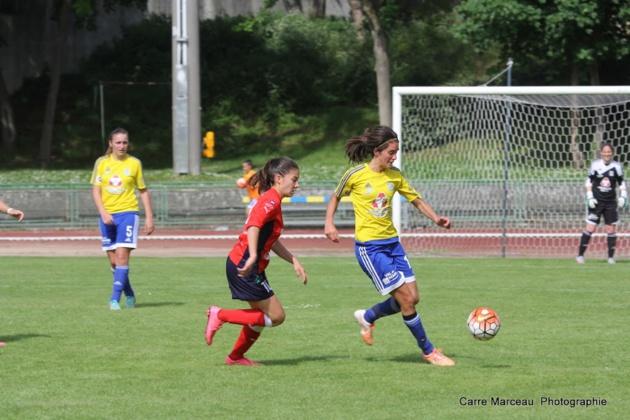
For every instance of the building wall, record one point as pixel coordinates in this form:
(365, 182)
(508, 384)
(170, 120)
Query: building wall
(210, 9)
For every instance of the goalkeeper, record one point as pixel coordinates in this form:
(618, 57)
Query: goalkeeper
(604, 177)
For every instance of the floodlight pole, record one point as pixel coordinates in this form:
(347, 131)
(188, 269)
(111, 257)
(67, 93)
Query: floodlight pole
(180, 88)
(194, 89)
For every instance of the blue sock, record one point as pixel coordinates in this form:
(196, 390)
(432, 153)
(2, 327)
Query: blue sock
(385, 308)
(415, 326)
(127, 287)
(120, 275)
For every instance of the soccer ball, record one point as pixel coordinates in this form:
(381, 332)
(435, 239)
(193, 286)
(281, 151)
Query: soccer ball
(483, 323)
(241, 183)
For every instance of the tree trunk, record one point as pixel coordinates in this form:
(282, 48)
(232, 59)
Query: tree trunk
(45, 146)
(357, 17)
(381, 65)
(318, 9)
(7, 124)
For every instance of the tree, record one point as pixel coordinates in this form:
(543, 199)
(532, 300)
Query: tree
(7, 123)
(85, 15)
(573, 35)
(372, 9)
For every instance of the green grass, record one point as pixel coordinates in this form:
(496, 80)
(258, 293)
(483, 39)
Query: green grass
(564, 335)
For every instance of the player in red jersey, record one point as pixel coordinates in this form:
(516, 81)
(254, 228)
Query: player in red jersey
(246, 263)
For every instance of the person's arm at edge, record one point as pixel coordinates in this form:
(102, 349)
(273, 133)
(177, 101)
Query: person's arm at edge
(280, 250)
(426, 209)
(148, 211)
(330, 230)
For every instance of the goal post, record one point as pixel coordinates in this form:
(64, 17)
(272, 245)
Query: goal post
(507, 165)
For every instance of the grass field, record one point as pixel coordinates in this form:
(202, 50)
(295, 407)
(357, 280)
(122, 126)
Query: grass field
(564, 335)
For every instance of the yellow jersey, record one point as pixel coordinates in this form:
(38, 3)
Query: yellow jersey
(118, 180)
(371, 193)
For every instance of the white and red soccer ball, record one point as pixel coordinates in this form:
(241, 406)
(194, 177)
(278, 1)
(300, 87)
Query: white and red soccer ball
(483, 323)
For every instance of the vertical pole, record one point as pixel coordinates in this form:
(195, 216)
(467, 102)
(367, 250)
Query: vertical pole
(506, 172)
(180, 88)
(101, 95)
(194, 89)
(397, 127)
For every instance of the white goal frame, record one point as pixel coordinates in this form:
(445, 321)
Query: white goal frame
(399, 94)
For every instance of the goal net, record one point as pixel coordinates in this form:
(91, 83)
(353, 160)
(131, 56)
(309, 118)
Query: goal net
(507, 165)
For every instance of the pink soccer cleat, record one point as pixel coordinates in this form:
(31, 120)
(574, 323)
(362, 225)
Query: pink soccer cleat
(243, 362)
(214, 323)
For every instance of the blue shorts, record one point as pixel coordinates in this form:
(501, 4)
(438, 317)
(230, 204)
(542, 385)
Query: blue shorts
(385, 263)
(123, 233)
(252, 288)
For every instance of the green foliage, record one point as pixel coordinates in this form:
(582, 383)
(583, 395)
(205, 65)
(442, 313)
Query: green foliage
(558, 33)
(68, 356)
(262, 78)
(415, 59)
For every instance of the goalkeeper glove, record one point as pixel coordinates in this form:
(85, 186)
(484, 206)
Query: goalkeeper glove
(622, 201)
(590, 200)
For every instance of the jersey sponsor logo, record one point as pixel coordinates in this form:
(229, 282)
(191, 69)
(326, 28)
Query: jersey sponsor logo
(390, 186)
(380, 201)
(380, 206)
(115, 181)
(115, 185)
(389, 277)
(268, 207)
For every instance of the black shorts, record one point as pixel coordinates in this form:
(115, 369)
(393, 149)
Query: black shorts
(608, 210)
(252, 288)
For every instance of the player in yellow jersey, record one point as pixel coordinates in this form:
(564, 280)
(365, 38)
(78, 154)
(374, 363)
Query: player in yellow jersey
(115, 178)
(371, 187)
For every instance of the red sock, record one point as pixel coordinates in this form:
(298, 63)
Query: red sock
(242, 316)
(246, 339)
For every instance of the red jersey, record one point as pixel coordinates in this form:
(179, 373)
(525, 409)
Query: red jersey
(266, 215)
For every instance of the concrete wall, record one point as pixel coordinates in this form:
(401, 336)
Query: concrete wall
(215, 207)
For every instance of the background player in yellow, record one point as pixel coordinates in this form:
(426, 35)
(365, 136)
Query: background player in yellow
(115, 178)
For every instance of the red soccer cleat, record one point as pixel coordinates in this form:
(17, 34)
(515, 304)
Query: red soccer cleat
(243, 362)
